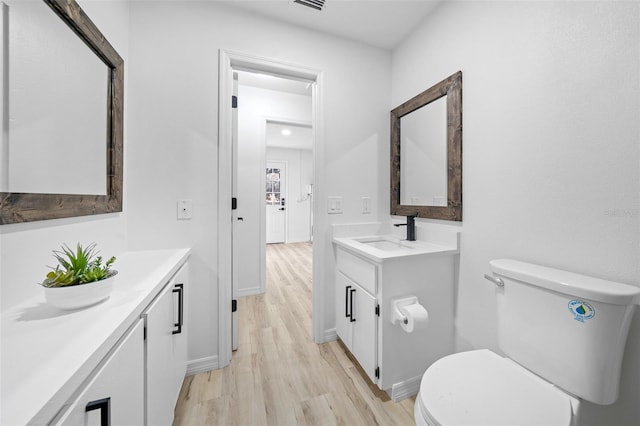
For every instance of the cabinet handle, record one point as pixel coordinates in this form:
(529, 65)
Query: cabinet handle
(353, 290)
(346, 302)
(179, 288)
(104, 405)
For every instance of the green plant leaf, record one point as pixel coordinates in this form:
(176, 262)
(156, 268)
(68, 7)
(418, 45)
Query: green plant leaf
(78, 266)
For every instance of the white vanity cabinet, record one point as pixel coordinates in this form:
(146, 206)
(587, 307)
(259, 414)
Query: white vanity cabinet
(166, 344)
(115, 394)
(356, 323)
(356, 307)
(367, 280)
(120, 362)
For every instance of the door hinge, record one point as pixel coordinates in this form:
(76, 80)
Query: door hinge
(378, 310)
(234, 203)
(234, 305)
(234, 102)
(377, 372)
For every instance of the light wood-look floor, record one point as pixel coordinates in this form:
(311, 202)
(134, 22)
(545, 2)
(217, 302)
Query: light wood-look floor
(278, 376)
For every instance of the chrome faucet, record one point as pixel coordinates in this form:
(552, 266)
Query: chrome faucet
(411, 227)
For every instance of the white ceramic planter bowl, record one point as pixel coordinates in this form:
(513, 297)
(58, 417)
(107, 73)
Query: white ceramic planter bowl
(79, 296)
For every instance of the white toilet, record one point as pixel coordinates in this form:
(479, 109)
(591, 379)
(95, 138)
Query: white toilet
(563, 335)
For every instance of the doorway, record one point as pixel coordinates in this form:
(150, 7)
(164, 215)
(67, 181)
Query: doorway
(289, 172)
(231, 62)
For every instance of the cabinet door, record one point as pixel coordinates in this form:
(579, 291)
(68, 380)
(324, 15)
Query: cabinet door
(364, 345)
(179, 283)
(115, 395)
(342, 298)
(166, 351)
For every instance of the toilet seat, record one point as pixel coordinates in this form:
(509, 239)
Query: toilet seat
(482, 388)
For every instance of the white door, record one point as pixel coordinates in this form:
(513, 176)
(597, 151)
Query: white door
(363, 334)
(343, 309)
(276, 201)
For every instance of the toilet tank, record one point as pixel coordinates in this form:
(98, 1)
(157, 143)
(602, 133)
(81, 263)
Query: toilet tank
(570, 329)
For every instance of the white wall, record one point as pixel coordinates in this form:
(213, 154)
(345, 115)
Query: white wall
(25, 249)
(299, 175)
(173, 112)
(551, 147)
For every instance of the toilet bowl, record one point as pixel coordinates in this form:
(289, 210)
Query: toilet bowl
(563, 337)
(510, 394)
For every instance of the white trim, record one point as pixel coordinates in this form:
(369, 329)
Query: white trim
(228, 61)
(320, 221)
(202, 365)
(405, 389)
(225, 129)
(252, 291)
(330, 335)
(281, 120)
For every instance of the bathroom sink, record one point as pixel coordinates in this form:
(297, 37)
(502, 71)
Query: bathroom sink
(382, 247)
(382, 243)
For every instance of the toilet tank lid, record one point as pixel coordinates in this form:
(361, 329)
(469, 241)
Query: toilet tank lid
(568, 283)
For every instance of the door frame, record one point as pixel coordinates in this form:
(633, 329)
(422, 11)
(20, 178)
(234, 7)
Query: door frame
(228, 62)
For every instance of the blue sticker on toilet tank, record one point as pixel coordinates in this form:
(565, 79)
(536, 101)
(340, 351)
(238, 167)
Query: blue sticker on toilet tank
(581, 310)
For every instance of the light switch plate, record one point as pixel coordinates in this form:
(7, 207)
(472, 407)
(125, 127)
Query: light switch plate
(185, 209)
(366, 205)
(334, 205)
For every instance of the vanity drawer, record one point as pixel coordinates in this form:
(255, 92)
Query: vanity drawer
(357, 269)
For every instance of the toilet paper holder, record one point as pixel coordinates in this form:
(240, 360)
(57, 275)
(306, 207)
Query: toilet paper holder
(396, 304)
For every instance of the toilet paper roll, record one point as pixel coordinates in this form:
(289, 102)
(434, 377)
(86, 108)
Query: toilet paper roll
(417, 317)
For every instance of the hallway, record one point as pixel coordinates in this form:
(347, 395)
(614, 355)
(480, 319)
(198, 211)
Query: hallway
(278, 375)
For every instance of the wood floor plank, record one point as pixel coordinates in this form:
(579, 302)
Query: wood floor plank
(279, 376)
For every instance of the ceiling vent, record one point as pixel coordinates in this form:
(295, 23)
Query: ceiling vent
(314, 4)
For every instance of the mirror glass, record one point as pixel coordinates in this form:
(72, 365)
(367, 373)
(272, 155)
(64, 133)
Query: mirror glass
(54, 79)
(426, 153)
(62, 114)
(423, 163)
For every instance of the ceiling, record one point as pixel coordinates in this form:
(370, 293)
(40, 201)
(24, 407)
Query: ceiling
(379, 23)
(299, 137)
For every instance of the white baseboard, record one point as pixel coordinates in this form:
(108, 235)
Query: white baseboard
(405, 389)
(202, 365)
(330, 335)
(251, 291)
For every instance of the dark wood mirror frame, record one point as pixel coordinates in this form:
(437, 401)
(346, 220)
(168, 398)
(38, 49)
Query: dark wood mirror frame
(28, 207)
(450, 87)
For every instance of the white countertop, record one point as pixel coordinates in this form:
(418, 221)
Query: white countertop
(367, 247)
(47, 353)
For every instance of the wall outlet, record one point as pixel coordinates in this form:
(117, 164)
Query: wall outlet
(366, 205)
(185, 209)
(334, 205)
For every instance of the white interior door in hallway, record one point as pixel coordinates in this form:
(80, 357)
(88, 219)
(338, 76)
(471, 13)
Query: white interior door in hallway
(276, 202)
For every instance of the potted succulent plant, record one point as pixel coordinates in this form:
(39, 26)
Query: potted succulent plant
(80, 279)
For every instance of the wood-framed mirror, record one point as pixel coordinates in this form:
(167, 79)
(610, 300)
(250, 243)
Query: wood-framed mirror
(426, 153)
(18, 206)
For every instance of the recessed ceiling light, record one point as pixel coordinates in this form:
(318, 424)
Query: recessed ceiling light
(285, 132)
